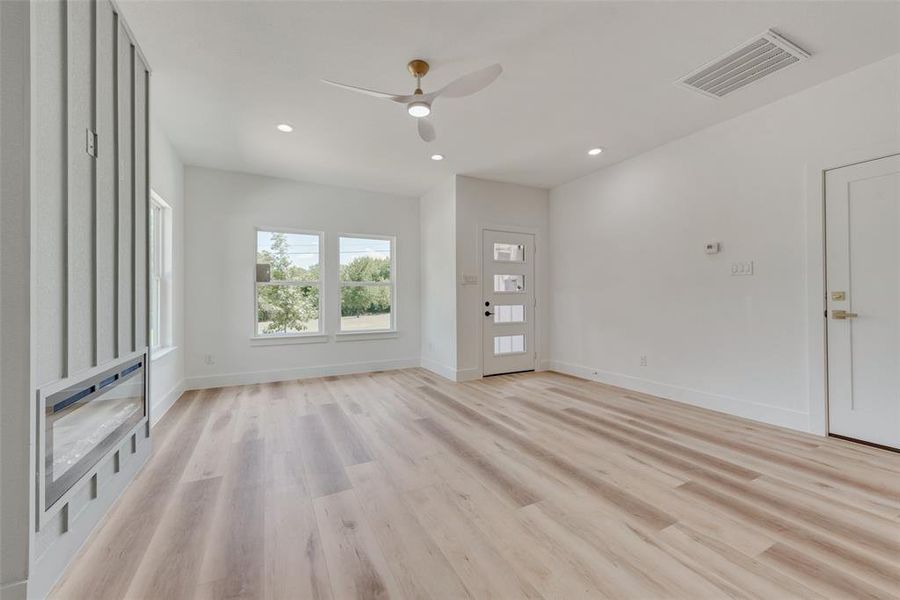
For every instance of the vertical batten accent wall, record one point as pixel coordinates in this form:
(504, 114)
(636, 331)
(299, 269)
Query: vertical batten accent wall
(89, 247)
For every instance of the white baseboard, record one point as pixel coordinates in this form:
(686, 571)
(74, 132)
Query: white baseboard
(765, 413)
(468, 374)
(13, 591)
(250, 378)
(161, 406)
(438, 368)
(446, 372)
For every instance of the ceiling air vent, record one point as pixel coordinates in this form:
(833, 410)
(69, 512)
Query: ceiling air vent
(753, 60)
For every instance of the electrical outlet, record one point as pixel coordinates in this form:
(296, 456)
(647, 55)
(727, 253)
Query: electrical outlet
(643, 360)
(209, 359)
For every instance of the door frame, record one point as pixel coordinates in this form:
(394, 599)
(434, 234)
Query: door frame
(538, 297)
(817, 336)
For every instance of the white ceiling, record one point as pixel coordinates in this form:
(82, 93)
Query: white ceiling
(576, 75)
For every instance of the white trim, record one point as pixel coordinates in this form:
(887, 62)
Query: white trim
(358, 336)
(158, 353)
(392, 283)
(161, 406)
(450, 373)
(479, 249)
(253, 377)
(817, 385)
(765, 413)
(165, 316)
(287, 339)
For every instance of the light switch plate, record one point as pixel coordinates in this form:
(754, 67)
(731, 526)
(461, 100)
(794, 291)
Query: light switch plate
(741, 268)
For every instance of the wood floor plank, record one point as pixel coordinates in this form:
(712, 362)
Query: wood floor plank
(349, 445)
(294, 557)
(356, 565)
(473, 555)
(419, 567)
(172, 563)
(324, 470)
(406, 485)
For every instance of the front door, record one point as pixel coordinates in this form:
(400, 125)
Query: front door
(862, 229)
(508, 306)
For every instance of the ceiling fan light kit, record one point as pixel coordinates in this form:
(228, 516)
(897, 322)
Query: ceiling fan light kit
(418, 109)
(418, 104)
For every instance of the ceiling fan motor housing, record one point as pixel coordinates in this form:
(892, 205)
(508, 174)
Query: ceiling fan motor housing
(418, 67)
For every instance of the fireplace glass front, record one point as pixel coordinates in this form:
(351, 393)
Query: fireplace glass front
(84, 421)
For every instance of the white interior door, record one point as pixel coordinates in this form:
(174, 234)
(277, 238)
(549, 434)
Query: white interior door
(862, 222)
(508, 306)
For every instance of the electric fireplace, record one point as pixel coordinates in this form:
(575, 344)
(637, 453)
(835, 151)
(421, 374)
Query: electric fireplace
(84, 421)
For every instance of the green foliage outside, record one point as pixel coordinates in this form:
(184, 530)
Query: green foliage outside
(365, 300)
(288, 308)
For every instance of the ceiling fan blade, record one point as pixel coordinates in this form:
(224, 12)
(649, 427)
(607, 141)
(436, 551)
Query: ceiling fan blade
(376, 93)
(426, 129)
(471, 83)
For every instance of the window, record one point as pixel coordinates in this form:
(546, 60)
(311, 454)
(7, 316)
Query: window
(509, 283)
(367, 283)
(509, 252)
(160, 273)
(288, 283)
(509, 344)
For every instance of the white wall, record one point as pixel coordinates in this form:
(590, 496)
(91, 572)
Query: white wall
(437, 214)
(222, 208)
(630, 278)
(167, 180)
(484, 204)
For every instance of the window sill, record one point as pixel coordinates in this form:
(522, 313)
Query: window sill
(356, 336)
(281, 340)
(158, 353)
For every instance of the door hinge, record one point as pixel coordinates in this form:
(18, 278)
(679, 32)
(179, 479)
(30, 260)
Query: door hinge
(91, 143)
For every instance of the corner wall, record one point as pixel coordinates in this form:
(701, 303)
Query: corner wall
(453, 216)
(222, 209)
(483, 204)
(437, 218)
(167, 180)
(630, 277)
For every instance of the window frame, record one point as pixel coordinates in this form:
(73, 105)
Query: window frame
(161, 276)
(319, 285)
(392, 284)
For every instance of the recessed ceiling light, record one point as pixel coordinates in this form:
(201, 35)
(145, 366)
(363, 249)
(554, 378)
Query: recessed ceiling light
(284, 127)
(437, 157)
(595, 151)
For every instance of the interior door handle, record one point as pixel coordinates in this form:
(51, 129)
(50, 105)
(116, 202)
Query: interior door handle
(840, 315)
(487, 313)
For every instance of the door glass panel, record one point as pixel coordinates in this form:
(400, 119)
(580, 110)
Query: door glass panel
(509, 252)
(509, 344)
(509, 283)
(513, 313)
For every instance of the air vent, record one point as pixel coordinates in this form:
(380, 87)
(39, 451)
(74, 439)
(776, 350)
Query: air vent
(761, 56)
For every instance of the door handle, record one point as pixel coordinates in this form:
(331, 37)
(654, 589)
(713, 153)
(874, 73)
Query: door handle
(840, 315)
(487, 313)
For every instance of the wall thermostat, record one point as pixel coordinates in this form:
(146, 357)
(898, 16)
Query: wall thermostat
(713, 247)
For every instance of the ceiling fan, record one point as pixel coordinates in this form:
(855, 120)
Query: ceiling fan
(418, 104)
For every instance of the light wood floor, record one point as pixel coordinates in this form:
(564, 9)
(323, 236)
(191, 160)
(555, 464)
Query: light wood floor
(401, 484)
